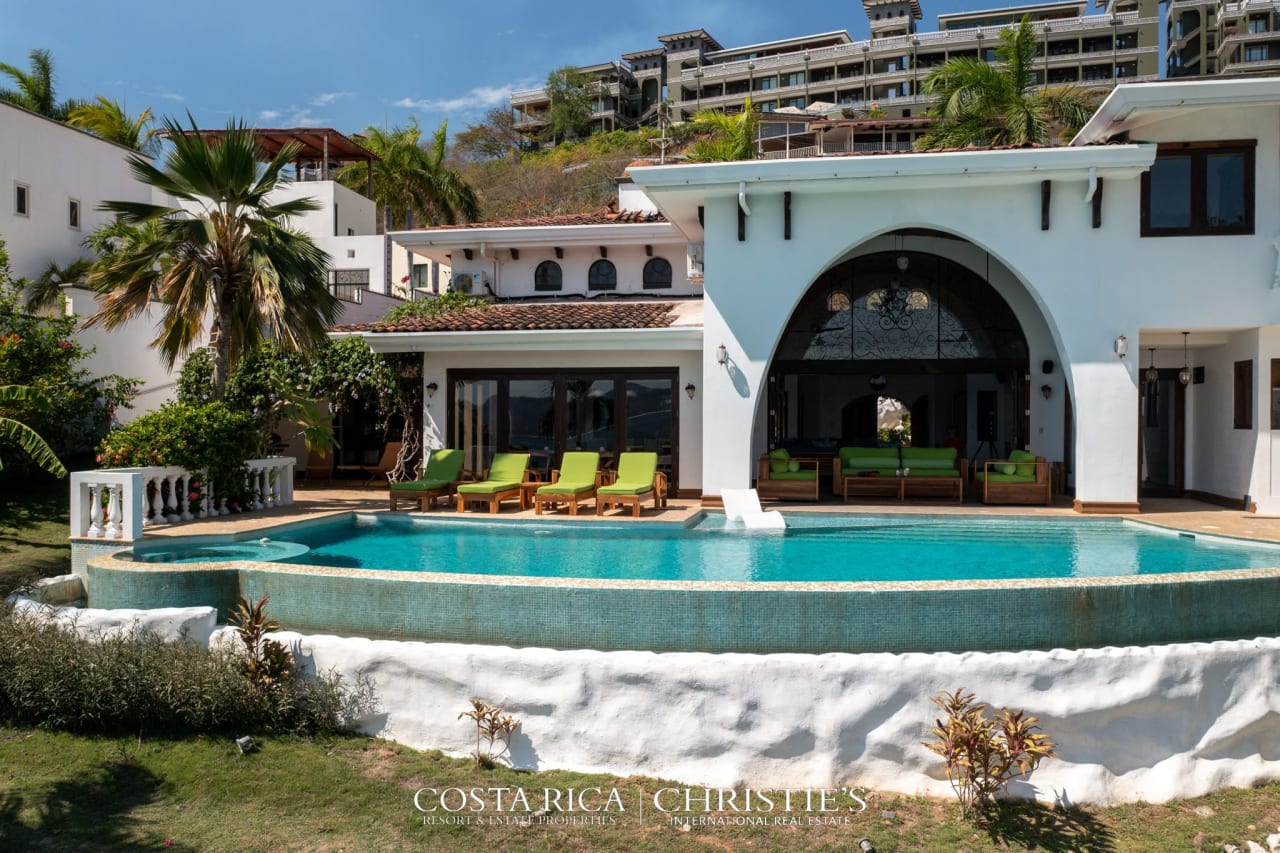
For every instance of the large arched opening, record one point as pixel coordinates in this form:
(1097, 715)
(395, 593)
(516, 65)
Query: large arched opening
(908, 340)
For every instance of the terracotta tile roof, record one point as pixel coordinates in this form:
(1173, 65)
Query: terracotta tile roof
(534, 316)
(603, 216)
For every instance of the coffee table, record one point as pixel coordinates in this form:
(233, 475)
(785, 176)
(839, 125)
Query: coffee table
(884, 487)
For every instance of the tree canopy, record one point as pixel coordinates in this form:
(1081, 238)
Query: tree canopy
(725, 136)
(108, 119)
(228, 254)
(571, 94)
(999, 104)
(34, 89)
(411, 181)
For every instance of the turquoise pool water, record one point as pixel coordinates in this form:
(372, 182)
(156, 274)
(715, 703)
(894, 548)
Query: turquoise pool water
(816, 548)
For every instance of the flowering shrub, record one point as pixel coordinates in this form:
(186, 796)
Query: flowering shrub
(40, 352)
(211, 440)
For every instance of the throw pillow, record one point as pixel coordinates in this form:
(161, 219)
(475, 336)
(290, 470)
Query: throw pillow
(793, 466)
(1007, 468)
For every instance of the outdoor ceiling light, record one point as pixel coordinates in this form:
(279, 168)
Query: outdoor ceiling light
(1184, 375)
(722, 354)
(878, 382)
(1047, 391)
(690, 389)
(432, 388)
(1121, 346)
(1152, 373)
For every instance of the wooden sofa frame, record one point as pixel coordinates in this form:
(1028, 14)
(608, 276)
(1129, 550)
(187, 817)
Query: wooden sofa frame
(1039, 492)
(787, 490)
(938, 487)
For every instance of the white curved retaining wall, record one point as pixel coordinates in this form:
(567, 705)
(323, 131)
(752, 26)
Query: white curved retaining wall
(1138, 723)
(1147, 723)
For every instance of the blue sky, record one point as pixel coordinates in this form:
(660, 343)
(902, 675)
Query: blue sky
(351, 65)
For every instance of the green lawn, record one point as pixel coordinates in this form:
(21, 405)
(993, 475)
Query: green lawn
(65, 792)
(34, 522)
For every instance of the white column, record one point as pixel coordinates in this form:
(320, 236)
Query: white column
(1105, 398)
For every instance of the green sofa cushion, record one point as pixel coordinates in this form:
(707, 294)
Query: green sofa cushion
(927, 464)
(914, 455)
(932, 472)
(855, 472)
(1024, 456)
(868, 463)
(778, 460)
(1004, 478)
(794, 475)
(886, 457)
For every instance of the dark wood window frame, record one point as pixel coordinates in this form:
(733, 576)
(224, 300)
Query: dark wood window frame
(1199, 152)
(603, 275)
(651, 277)
(1242, 395)
(558, 377)
(548, 276)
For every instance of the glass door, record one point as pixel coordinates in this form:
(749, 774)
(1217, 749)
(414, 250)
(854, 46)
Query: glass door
(475, 422)
(1161, 435)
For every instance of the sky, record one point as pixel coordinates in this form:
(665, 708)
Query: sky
(377, 62)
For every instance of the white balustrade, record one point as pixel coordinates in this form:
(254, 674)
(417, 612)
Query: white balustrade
(118, 503)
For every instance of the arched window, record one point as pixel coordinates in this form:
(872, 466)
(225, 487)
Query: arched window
(657, 274)
(602, 276)
(547, 276)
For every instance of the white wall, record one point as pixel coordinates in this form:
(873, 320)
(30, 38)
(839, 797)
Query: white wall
(57, 163)
(436, 365)
(1078, 286)
(341, 209)
(514, 278)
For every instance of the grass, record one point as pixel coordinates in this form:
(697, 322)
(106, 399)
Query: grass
(35, 518)
(65, 792)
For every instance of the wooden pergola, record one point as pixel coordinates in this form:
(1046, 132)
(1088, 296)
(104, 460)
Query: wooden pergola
(323, 145)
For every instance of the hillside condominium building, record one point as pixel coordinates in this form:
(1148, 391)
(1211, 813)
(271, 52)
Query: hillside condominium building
(828, 72)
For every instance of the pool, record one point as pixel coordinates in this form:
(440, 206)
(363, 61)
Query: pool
(829, 584)
(816, 548)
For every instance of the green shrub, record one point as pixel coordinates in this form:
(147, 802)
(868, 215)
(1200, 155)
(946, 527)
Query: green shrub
(134, 682)
(209, 439)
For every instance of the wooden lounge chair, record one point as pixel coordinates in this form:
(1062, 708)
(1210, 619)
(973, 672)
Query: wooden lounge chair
(390, 454)
(501, 481)
(319, 464)
(439, 480)
(638, 479)
(575, 482)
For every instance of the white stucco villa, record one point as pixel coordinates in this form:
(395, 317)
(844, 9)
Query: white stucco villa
(1046, 299)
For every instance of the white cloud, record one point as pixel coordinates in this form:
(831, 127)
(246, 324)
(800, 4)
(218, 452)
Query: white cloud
(292, 116)
(269, 115)
(324, 99)
(168, 96)
(479, 98)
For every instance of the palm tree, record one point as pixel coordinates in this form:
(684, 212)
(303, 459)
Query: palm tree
(24, 436)
(729, 137)
(106, 118)
(998, 104)
(409, 180)
(228, 254)
(34, 88)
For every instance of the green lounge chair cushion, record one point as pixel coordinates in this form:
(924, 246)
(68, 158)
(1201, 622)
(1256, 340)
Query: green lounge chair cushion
(778, 460)
(636, 472)
(488, 487)
(577, 474)
(420, 485)
(443, 465)
(506, 472)
(1024, 456)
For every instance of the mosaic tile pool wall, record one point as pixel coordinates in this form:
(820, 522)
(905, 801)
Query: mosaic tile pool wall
(762, 618)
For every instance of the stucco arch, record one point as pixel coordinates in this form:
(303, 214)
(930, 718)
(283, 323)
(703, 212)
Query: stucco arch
(1047, 416)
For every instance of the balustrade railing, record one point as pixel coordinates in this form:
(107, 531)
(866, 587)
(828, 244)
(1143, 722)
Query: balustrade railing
(119, 503)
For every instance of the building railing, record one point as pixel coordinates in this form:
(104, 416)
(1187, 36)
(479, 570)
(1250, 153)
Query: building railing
(119, 503)
(877, 48)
